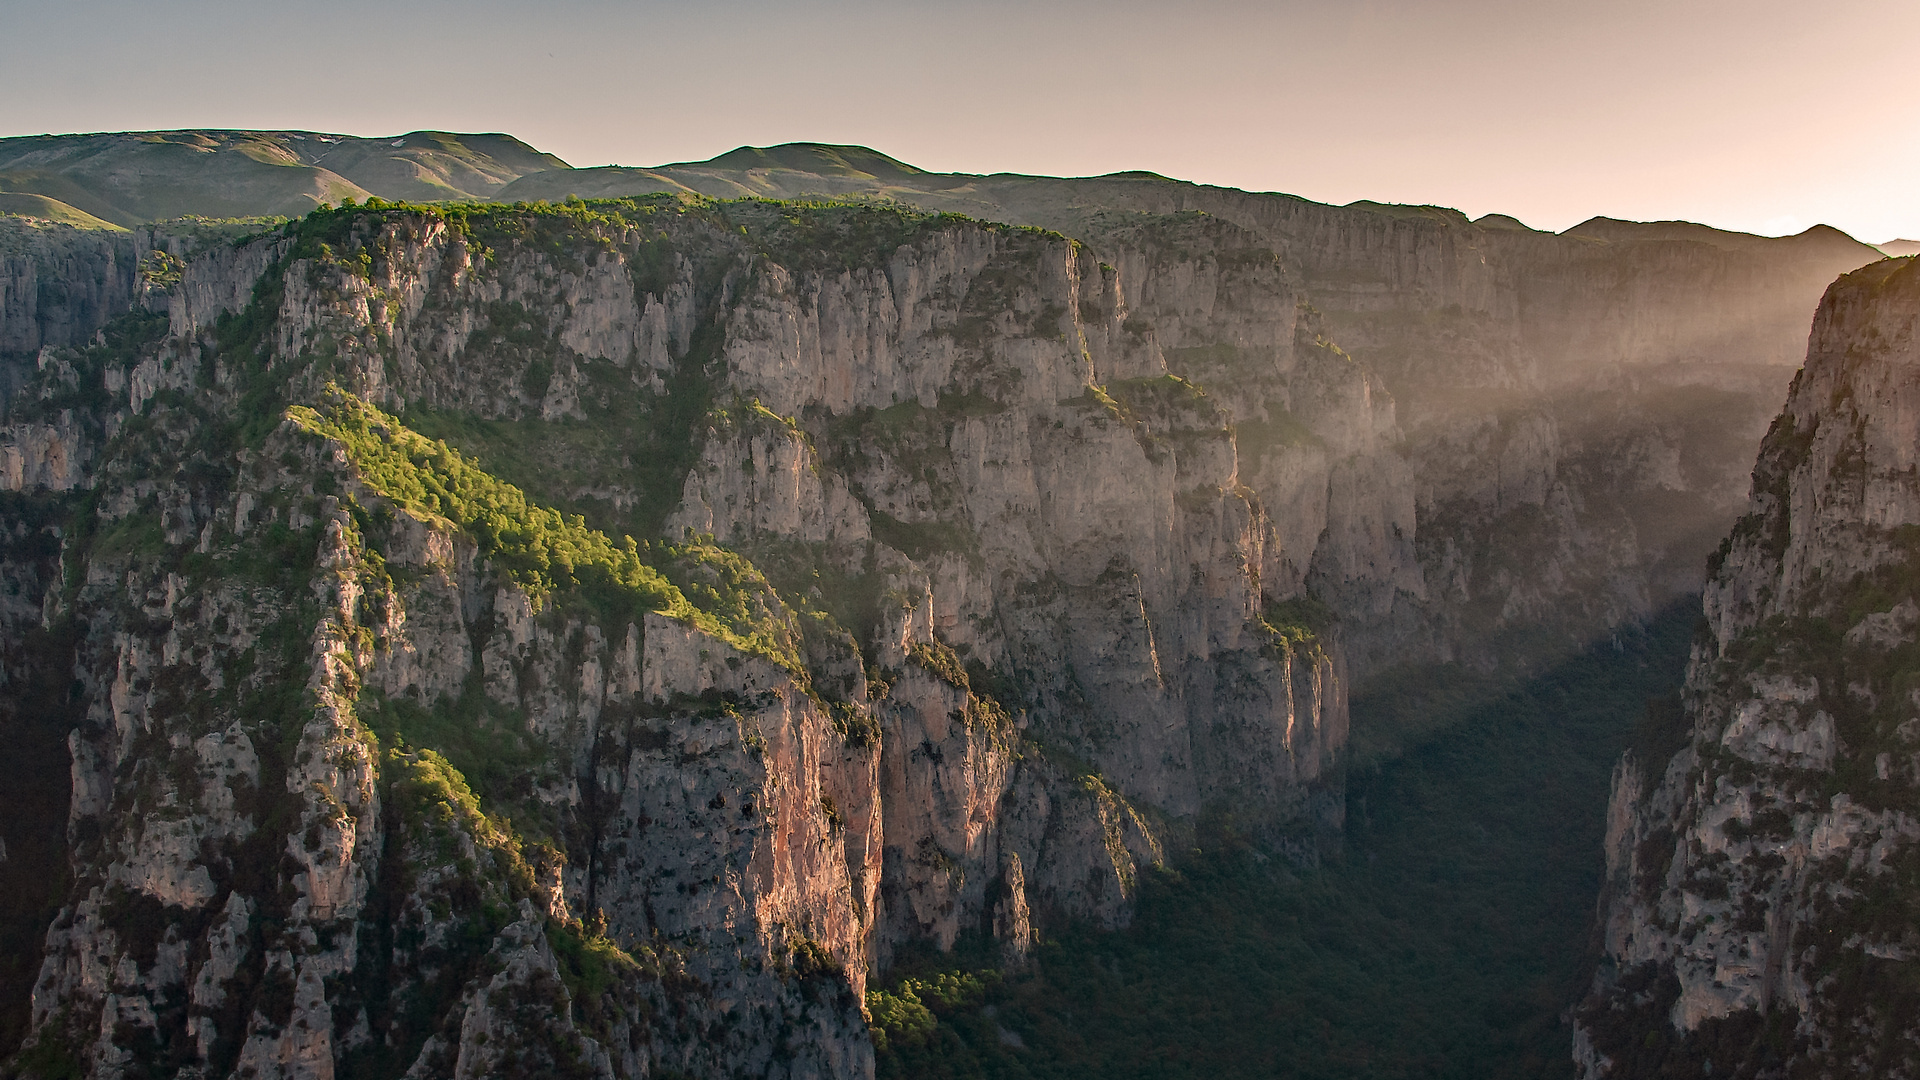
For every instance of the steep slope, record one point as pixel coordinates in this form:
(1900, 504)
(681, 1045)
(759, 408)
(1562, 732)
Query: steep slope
(974, 565)
(1763, 885)
(400, 757)
(63, 286)
(1448, 941)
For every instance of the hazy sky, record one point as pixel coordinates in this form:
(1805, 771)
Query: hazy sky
(1752, 114)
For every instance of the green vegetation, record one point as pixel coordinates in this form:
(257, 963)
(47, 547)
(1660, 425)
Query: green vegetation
(1439, 215)
(806, 234)
(485, 742)
(1444, 939)
(904, 1018)
(1160, 394)
(941, 660)
(592, 966)
(629, 442)
(130, 180)
(427, 807)
(435, 799)
(837, 235)
(1298, 623)
(733, 601)
(539, 548)
(548, 553)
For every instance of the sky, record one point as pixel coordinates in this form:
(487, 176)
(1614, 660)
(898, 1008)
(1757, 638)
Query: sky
(1761, 115)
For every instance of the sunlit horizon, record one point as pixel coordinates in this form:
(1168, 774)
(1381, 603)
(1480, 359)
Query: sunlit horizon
(1756, 117)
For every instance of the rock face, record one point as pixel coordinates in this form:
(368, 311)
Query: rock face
(802, 585)
(594, 638)
(59, 284)
(1571, 420)
(1573, 417)
(1762, 884)
(134, 178)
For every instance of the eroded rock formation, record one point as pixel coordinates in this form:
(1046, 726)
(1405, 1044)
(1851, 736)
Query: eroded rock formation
(1762, 883)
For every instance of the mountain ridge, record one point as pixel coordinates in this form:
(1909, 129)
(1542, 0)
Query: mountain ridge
(1432, 304)
(490, 156)
(132, 178)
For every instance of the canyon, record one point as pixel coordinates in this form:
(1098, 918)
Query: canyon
(605, 629)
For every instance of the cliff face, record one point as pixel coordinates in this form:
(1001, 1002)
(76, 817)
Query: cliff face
(1762, 883)
(799, 584)
(1574, 414)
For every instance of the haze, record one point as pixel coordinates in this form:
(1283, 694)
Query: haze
(1759, 115)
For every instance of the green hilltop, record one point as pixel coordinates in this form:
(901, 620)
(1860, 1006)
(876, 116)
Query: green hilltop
(129, 178)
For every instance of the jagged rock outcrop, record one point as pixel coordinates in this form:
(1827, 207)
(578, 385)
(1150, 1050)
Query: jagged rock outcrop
(1760, 916)
(794, 594)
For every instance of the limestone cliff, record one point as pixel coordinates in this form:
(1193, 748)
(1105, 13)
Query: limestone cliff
(1574, 414)
(59, 284)
(595, 637)
(1760, 914)
(590, 641)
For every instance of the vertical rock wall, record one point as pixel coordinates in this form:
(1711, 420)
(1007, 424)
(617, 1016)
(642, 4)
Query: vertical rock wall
(1760, 910)
(352, 792)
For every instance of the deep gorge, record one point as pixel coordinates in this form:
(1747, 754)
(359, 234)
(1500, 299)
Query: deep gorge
(711, 628)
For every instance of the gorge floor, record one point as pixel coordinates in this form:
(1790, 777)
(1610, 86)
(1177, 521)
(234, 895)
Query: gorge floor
(1446, 936)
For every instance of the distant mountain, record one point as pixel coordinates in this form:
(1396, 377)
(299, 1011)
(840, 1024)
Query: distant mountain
(775, 172)
(1465, 323)
(1822, 238)
(128, 178)
(28, 205)
(797, 170)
